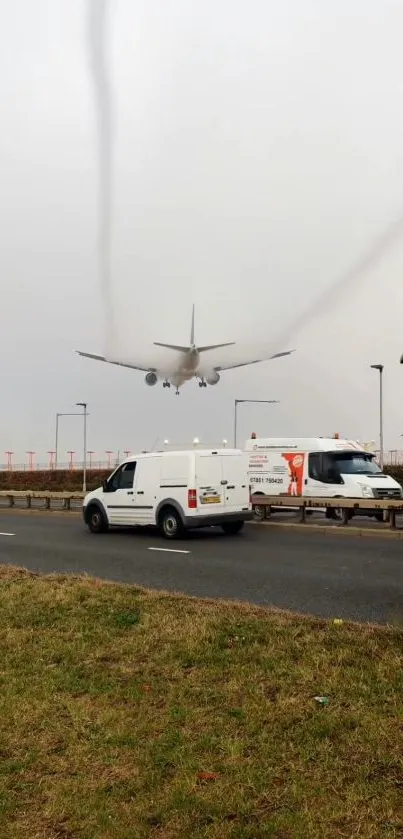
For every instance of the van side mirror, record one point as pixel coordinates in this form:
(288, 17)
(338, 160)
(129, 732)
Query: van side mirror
(105, 487)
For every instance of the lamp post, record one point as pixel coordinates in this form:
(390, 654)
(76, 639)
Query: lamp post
(250, 401)
(380, 368)
(31, 456)
(57, 432)
(83, 405)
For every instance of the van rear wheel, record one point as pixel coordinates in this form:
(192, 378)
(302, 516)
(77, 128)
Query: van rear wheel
(231, 528)
(170, 524)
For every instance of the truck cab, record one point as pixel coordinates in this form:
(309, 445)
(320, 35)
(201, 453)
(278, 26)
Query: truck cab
(317, 467)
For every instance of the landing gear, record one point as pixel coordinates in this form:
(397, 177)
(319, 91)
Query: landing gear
(177, 392)
(202, 383)
(166, 383)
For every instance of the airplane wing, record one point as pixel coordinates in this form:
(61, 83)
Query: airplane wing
(119, 363)
(255, 361)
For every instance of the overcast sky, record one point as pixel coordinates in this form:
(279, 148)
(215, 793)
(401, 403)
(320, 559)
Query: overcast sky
(259, 155)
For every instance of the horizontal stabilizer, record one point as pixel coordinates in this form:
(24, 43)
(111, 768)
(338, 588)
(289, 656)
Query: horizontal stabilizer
(215, 347)
(172, 347)
(91, 355)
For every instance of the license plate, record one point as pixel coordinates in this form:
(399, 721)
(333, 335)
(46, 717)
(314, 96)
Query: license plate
(211, 499)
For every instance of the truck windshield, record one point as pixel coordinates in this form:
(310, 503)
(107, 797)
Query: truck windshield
(351, 463)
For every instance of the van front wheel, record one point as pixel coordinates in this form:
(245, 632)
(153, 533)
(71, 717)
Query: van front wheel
(170, 524)
(96, 520)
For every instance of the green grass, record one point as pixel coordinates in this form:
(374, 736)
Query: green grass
(128, 714)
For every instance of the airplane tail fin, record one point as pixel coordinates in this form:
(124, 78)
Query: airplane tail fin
(180, 348)
(192, 329)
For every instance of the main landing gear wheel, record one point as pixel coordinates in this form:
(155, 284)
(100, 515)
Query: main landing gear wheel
(166, 384)
(202, 383)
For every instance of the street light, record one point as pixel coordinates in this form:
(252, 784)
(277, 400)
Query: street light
(380, 368)
(83, 405)
(57, 431)
(250, 401)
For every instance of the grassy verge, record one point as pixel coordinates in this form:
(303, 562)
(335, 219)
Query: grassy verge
(127, 714)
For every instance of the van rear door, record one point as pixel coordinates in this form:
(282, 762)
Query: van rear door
(234, 467)
(209, 482)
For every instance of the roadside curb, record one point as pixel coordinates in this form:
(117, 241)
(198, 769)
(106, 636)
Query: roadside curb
(333, 529)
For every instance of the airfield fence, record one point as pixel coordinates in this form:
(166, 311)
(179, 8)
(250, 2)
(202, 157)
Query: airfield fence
(392, 457)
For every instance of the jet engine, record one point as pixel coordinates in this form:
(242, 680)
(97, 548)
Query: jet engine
(151, 379)
(212, 379)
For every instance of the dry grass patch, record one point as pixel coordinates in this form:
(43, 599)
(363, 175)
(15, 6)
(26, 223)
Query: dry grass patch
(128, 714)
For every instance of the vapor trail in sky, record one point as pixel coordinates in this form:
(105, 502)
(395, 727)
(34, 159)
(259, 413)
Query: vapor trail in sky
(347, 281)
(97, 33)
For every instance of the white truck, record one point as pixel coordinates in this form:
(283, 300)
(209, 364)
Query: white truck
(317, 467)
(174, 491)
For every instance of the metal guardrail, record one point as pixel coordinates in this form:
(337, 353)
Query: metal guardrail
(36, 500)
(346, 505)
(49, 500)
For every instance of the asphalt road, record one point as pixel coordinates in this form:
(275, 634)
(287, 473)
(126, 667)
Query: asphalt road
(356, 578)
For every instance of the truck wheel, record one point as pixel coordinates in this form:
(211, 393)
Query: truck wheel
(259, 511)
(96, 520)
(231, 528)
(170, 524)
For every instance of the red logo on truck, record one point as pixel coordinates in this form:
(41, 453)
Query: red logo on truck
(295, 462)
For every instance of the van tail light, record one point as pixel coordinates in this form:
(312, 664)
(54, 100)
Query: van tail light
(192, 499)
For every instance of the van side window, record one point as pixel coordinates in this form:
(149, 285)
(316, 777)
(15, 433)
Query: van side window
(315, 467)
(123, 478)
(128, 470)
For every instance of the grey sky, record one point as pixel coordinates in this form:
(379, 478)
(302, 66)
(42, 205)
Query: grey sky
(259, 154)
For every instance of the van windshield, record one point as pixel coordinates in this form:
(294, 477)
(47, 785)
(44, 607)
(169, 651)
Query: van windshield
(352, 463)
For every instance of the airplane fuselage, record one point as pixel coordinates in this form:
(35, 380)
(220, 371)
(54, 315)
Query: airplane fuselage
(188, 364)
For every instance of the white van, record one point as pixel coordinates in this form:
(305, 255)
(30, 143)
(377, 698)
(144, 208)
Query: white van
(317, 467)
(174, 490)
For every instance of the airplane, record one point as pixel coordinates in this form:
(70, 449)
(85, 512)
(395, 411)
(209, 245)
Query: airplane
(188, 363)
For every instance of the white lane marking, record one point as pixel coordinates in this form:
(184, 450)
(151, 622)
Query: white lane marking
(169, 550)
(7, 534)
